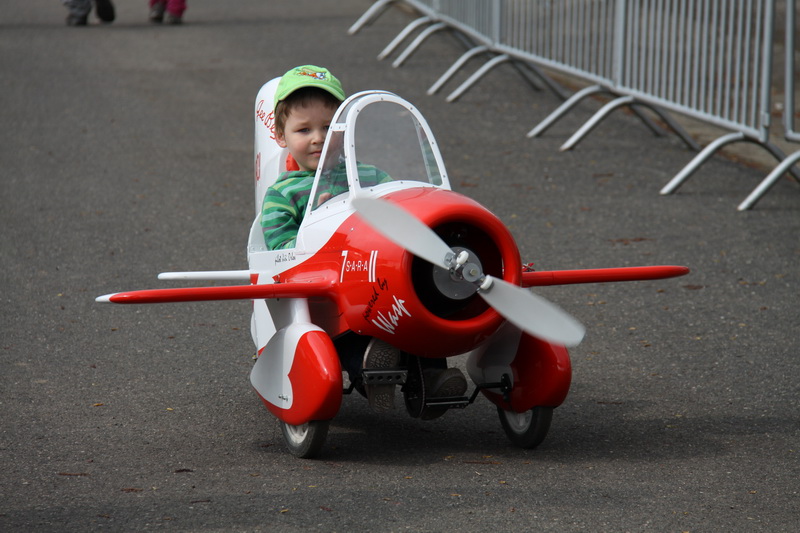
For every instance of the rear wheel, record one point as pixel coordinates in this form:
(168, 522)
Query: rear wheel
(526, 430)
(306, 440)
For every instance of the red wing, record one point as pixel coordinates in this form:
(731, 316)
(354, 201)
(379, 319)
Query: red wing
(304, 289)
(601, 275)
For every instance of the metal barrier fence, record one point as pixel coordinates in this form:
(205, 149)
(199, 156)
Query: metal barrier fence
(706, 59)
(790, 72)
(573, 37)
(789, 112)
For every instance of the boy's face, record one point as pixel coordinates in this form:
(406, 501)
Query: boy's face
(305, 131)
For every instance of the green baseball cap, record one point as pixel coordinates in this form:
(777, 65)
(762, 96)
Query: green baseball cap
(308, 76)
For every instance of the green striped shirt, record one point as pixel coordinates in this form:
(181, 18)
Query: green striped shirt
(285, 202)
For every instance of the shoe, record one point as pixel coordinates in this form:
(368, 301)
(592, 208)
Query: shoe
(381, 355)
(174, 19)
(77, 20)
(442, 383)
(104, 10)
(157, 12)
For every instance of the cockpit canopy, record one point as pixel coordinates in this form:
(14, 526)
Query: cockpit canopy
(377, 139)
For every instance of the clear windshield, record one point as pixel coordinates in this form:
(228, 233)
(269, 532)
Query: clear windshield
(389, 137)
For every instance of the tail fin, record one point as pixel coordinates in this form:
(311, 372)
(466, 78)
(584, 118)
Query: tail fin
(270, 159)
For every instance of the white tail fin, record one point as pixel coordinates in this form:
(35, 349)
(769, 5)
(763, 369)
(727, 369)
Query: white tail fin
(270, 159)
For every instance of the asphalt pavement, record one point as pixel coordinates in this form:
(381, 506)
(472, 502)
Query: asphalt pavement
(126, 150)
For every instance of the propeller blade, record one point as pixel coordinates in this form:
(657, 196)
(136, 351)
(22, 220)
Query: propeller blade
(533, 314)
(404, 229)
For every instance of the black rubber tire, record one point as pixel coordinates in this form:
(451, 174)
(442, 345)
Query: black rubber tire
(305, 441)
(526, 430)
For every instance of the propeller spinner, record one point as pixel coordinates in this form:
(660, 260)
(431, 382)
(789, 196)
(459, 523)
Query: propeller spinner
(529, 312)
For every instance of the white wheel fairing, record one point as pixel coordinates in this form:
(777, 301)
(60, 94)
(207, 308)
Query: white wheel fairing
(270, 374)
(261, 327)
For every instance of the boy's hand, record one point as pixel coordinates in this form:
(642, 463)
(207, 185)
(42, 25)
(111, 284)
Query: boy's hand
(324, 197)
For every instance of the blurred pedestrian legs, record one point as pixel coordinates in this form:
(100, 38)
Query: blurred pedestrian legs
(172, 8)
(79, 11)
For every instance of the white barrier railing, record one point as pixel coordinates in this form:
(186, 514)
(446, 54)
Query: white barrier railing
(572, 37)
(789, 112)
(790, 73)
(706, 59)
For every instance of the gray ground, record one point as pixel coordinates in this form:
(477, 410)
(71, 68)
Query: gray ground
(126, 150)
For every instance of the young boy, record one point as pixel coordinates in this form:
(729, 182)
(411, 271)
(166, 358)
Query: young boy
(305, 101)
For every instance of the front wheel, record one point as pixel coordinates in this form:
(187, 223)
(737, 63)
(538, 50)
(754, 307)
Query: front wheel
(526, 430)
(306, 440)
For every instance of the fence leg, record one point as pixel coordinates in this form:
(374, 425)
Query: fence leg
(430, 30)
(466, 56)
(563, 108)
(698, 160)
(780, 156)
(557, 89)
(595, 120)
(769, 181)
(370, 15)
(677, 128)
(502, 58)
(402, 35)
(528, 74)
(651, 125)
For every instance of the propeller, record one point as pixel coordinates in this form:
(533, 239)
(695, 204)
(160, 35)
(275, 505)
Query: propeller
(529, 312)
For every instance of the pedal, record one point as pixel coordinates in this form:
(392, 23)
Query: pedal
(390, 376)
(448, 402)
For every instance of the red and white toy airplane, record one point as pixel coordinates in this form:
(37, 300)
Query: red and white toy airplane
(408, 262)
